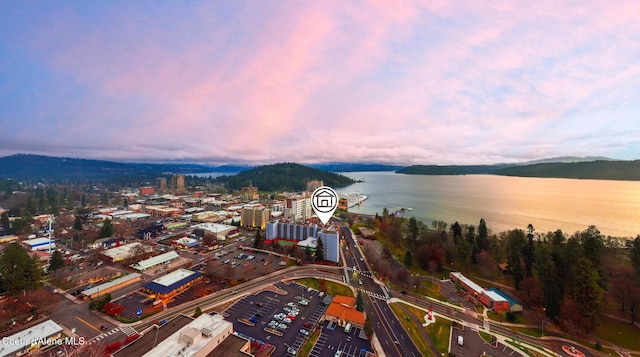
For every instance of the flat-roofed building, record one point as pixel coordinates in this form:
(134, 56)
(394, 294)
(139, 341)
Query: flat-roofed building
(221, 231)
(39, 244)
(127, 251)
(155, 261)
(111, 285)
(197, 339)
(31, 339)
(249, 193)
(172, 283)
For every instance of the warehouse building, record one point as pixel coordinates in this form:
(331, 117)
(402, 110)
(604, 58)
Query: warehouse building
(39, 244)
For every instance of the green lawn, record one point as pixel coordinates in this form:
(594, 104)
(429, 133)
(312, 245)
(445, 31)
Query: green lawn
(412, 329)
(332, 288)
(439, 333)
(618, 333)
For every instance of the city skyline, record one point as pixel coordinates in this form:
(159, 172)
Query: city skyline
(380, 82)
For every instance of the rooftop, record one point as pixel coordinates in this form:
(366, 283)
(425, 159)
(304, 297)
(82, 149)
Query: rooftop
(192, 338)
(153, 261)
(25, 338)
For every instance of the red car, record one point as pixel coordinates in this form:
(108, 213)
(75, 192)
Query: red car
(291, 317)
(307, 324)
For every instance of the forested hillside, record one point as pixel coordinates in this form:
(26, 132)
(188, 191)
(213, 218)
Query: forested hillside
(283, 177)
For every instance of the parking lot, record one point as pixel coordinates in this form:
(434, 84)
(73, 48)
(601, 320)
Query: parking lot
(334, 338)
(281, 320)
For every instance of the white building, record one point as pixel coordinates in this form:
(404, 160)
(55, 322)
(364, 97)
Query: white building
(30, 339)
(331, 244)
(220, 230)
(298, 208)
(196, 339)
(127, 251)
(39, 244)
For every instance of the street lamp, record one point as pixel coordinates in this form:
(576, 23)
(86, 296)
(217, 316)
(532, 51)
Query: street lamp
(542, 326)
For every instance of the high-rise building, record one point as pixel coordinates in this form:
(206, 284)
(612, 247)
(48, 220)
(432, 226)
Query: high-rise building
(177, 184)
(298, 208)
(255, 216)
(161, 184)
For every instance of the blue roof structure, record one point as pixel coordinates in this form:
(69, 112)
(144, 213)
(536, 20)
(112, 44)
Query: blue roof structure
(162, 286)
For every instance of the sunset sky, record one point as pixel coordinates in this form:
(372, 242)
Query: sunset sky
(433, 82)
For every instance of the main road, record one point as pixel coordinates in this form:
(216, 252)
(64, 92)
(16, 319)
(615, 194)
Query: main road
(395, 341)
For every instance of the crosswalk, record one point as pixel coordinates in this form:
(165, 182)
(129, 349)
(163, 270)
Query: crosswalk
(129, 331)
(375, 295)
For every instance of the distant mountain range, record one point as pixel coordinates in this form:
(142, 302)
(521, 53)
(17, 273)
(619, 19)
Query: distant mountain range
(35, 168)
(596, 168)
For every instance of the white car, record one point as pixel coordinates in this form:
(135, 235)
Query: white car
(287, 320)
(304, 332)
(291, 304)
(283, 326)
(303, 302)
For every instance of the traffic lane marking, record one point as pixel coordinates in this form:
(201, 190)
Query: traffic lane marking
(88, 324)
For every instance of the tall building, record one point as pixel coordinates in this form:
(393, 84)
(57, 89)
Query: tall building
(255, 216)
(298, 208)
(161, 184)
(177, 184)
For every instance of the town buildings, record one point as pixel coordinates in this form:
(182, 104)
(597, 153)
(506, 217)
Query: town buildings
(299, 232)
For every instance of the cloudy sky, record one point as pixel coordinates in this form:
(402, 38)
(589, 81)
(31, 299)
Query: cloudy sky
(433, 82)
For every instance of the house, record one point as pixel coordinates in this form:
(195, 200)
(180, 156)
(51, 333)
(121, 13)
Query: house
(342, 311)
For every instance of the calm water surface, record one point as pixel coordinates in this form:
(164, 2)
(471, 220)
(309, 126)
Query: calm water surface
(506, 202)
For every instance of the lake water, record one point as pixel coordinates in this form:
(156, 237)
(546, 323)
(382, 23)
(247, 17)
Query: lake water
(505, 202)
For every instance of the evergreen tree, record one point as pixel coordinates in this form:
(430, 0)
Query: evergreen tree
(18, 271)
(107, 229)
(360, 301)
(408, 259)
(77, 223)
(528, 252)
(456, 229)
(56, 262)
(588, 292)
(320, 250)
(635, 256)
(4, 221)
(413, 231)
(482, 240)
(257, 243)
(198, 312)
(83, 200)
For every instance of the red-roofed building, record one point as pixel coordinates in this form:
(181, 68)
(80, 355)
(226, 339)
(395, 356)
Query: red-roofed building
(342, 311)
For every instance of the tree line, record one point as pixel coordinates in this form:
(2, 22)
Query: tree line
(570, 277)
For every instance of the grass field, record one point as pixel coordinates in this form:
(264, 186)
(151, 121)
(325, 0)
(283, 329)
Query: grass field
(412, 329)
(618, 333)
(332, 288)
(439, 333)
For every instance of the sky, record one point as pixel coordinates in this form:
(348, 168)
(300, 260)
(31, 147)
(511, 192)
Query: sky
(257, 82)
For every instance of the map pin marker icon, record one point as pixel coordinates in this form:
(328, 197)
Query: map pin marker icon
(324, 201)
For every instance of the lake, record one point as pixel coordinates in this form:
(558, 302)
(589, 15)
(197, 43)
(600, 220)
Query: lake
(505, 202)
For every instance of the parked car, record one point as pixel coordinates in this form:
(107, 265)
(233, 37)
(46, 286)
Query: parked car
(307, 324)
(304, 332)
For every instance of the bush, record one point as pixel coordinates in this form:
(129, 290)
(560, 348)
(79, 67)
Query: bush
(510, 316)
(113, 347)
(598, 345)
